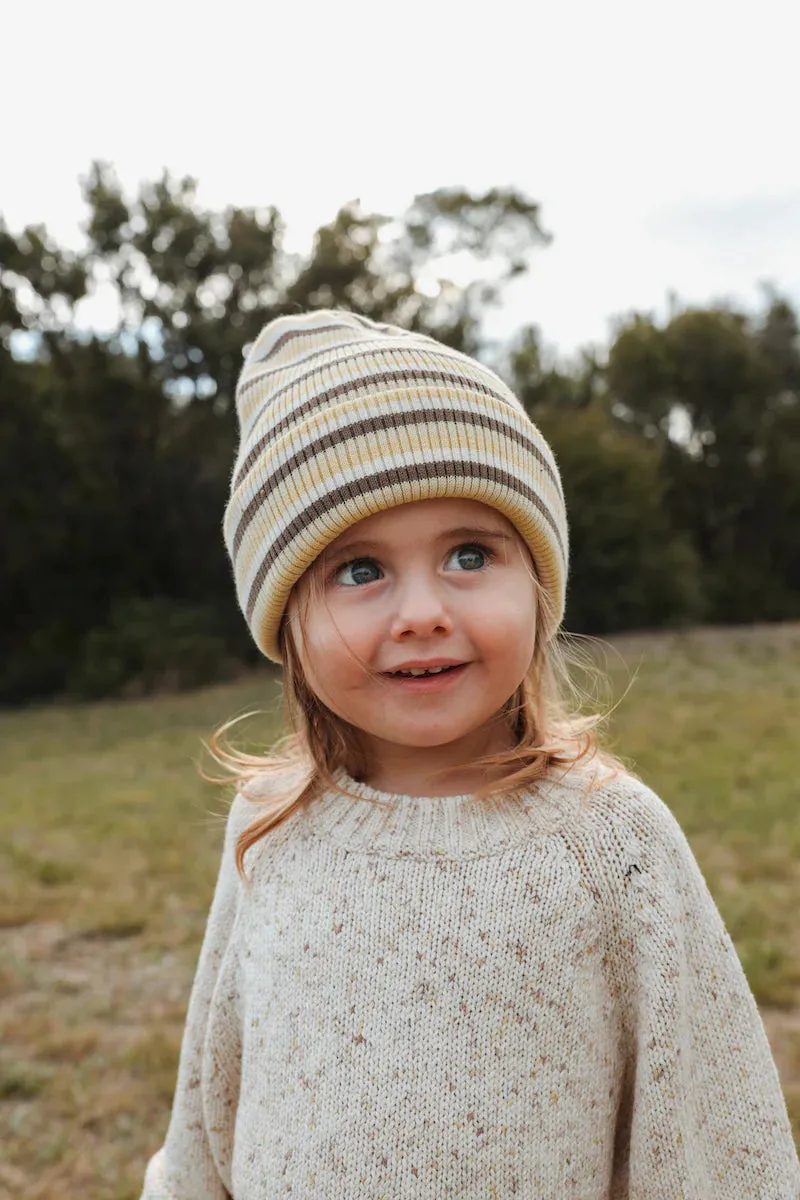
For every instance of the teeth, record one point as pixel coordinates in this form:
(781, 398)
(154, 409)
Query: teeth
(421, 671)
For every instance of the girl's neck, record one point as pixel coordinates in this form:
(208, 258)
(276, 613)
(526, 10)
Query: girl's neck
(414, 773)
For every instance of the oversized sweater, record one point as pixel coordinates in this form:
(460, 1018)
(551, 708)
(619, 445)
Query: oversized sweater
(436, 997)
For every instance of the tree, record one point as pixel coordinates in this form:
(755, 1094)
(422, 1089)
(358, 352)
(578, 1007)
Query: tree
(730, 483)
(130, 438)
(628, 567)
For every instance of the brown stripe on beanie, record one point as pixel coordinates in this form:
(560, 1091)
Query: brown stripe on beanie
(395, 420)
(343, 391)
(290, 334)
(362, 322)
(372, 349)
(385, 479)
(246, 385)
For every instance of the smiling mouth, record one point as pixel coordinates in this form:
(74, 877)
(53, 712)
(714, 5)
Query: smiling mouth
(429, 680)
(416, 673)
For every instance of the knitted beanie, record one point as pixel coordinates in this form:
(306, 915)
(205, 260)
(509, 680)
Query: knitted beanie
(340, 418)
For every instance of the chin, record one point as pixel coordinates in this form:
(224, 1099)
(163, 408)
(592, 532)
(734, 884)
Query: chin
(420, 738)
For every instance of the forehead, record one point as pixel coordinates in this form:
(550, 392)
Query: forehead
(423, 518)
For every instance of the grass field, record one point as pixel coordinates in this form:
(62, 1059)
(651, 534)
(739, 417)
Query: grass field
(109, 847)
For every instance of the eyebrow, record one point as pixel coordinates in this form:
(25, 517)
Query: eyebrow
(462, 531)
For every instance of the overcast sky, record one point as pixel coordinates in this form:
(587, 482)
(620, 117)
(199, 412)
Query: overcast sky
(659, 139)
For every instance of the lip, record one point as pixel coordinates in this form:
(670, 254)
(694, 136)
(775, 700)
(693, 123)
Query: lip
(432, 683)
(426, 664)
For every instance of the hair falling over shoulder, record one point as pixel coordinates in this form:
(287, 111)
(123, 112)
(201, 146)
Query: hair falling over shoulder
(546, 717)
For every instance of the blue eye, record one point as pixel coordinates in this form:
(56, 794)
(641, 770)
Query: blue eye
(366, 570)
(358, 564)
(474, 552)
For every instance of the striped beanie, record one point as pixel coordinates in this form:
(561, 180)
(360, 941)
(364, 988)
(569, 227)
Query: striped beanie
(340, 418)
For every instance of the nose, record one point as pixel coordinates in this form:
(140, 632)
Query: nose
(420, 608)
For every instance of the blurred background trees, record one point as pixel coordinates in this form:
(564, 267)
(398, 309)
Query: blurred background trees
(680, 452)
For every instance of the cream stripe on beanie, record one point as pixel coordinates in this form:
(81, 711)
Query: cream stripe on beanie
(342, 417)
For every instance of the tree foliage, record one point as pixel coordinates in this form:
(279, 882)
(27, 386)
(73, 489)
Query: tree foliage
(732, 485)
(116, 448)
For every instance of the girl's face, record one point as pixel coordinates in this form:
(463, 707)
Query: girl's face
(429, 580)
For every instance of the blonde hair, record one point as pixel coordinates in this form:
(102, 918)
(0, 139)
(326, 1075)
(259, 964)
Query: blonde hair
(544, 717)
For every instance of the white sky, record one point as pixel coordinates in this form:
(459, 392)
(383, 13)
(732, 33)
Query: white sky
(659, 139)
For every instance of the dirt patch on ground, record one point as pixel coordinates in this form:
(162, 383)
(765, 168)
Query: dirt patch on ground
(90, 1033)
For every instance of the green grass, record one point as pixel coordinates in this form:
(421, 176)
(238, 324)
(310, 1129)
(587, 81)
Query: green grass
(109, 846)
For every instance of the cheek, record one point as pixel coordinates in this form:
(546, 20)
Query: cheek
(511, 629)
(334, 644)
(325, 665)
(328, 633)
(348, 624)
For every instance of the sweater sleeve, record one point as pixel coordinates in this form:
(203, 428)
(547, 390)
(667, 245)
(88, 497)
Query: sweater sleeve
(702, 1114)
(194, 1161)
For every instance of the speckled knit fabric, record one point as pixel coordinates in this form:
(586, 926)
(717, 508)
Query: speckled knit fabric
(533, 998)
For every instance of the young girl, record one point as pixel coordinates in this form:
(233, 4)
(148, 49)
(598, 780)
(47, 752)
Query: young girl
(455, 949)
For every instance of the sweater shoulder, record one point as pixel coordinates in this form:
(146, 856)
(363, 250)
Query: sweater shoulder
(624, 827)
(261, 795)
(627, 802)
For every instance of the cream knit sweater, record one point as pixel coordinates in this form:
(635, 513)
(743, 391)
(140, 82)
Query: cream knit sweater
(534, 998)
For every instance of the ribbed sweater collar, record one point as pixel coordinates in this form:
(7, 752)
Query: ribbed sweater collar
(449, 827)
